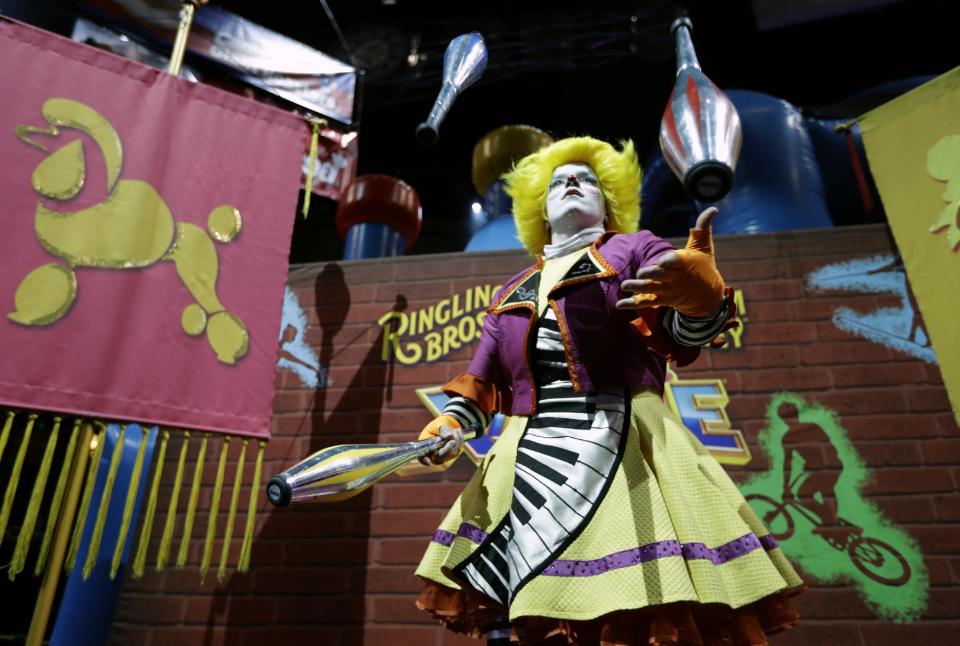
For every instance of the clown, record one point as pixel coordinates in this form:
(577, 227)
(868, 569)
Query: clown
(597, 517)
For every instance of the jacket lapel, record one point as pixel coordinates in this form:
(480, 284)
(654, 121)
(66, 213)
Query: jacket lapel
(523, 293)
(590, 266)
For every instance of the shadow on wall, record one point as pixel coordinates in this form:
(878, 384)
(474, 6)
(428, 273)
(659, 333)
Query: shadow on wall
(317, 587)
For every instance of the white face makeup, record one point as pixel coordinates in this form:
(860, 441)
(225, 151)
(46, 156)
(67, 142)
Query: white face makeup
(574, 201)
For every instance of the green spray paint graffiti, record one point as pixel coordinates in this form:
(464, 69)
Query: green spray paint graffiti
(820, 516)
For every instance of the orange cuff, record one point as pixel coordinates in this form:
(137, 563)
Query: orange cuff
(486, 394)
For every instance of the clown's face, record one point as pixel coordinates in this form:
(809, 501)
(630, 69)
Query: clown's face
(574, 200)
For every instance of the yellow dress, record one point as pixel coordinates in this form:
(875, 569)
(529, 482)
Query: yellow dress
(670, 553)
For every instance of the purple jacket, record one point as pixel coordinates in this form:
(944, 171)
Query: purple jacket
(603, 350)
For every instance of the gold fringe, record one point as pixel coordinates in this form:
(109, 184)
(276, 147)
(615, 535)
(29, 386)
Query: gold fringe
(132, 489)
(214, 510)
(140, 560)
(15, 476)
(92, 468)
(192, 504)
(244, 565)
(53, 514)
(232, 515)
(5, 435)
(33, 507)
(93, 550)
(171, 519)
(312, 163)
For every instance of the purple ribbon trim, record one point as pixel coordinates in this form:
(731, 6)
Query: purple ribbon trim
(443, 537)
(472, 532)
(690, 551)
(769, 542)
(466, 530)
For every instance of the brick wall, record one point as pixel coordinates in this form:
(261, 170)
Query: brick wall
(343, 573)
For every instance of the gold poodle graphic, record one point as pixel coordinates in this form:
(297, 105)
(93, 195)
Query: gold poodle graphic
(131, 229)
(943, 163)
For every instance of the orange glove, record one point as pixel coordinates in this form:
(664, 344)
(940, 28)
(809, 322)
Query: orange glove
(686, 280)
(449, 429)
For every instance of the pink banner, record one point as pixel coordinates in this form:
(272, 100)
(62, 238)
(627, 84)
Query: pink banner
(147, 227)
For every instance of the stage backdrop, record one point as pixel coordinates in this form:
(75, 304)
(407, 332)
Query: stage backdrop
(850, 448)
(146, 227)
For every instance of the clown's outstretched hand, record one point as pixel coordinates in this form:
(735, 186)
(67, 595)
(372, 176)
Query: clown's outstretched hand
(686, 280)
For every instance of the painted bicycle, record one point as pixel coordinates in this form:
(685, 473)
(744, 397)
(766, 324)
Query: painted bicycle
(876, 559)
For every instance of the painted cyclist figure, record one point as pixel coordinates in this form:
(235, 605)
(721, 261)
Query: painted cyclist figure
(597, 517)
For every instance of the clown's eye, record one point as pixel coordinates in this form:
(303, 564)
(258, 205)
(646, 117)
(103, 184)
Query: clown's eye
(555, 182)
(589, 179)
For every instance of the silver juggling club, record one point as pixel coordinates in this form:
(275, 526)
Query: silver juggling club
(463, 63)
(700, 131)
(342, 471)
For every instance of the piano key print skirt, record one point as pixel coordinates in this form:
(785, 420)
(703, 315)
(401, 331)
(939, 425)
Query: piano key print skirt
(603, 520)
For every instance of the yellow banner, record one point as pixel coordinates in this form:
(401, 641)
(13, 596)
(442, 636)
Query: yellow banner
(913, 148)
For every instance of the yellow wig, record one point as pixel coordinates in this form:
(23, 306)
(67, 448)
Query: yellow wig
(529, 180)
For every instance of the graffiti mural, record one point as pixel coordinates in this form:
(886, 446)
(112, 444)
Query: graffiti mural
(899, 328)
(820, 516)
(293, 352)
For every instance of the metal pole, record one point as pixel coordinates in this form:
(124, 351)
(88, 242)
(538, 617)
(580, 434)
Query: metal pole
(51, 577)
(187, 9)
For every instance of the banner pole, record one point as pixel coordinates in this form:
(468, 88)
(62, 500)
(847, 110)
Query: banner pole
(187, 9)
(51, 577)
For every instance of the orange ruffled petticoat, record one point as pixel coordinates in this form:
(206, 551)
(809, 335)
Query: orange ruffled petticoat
(675, 624)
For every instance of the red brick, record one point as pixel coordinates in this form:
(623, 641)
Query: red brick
(877, 454)
(390, 579)
(314, 634)
(323, 552)
(769, 311)
(396, 496)
(451, 638)
(947, 423)
(889, 427)
(856, 401)
(778, 333)
(405, 523)
(401, 551)
(844, 352)
(943, 603)
(832, 603)
(909, 480)
(939, 570)
(291, 401)
(766, 290)
(196, 636)
(152, 609)
(937, 539)
(923, 632)
(906, 509)
(785, 379)
(123, 634)
(877, 375)
(232, 610)
(399, 609)
(402, 636)
(750, 357)
(941, 451)
(300, 580)
(337, 609)
(928, 398)
(948, 507)
(811, 631)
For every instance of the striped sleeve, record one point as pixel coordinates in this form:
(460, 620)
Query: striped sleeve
(696, 331)
(468, 413)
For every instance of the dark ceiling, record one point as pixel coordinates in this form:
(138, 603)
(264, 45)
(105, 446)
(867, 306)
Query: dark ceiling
(600, 68)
